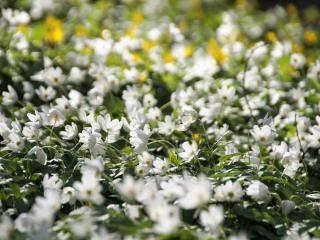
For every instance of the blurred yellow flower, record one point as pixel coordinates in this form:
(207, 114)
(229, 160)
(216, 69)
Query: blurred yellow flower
(197, 137)
(241, 3)
(292, 10)
(136, 58)
(142, 78)
(271, 37)
(188, 51)
(54, 31)
(310, 36)
(23, 28)
(296, 48)
(215, 50)
(168, 58)
(137, 17)
(147, 45)
(87, 50)
(80, 30)
(132, 30)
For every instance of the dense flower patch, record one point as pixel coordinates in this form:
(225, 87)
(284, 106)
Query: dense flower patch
(159, 119)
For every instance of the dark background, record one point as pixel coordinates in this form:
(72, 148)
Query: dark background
(265, 4)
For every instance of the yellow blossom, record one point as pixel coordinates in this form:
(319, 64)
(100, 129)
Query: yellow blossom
(54, 31)
(296, 48)
(87, 50)
(188, 51)
(137, 17)
(197, 137)
(147, 45)
(292, 10)
(142, 78)
(271, 37)
(23, 28)
(241, 3)
(168, 58)
(80, 30)
(195, 3)
(310, 36)
(136, 58)
(132, 31)
(215, 50)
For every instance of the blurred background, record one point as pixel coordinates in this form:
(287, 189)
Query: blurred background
(265, 4)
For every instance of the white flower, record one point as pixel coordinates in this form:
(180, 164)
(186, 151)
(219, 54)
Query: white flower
(6, 227)
(314, 71)
(227, 94)
(279, 150)
(314, 138)
(257, 52)
(91, 140)
(111, 127)
(204, 66)
(75, 98)
(76, 75)
(264, 134)
(68, 195)
(129, 188)
(93, 166)
(188, 151)
(132, 211)
(290, 162)
(15, 17)
(55, 118)
(227, 32)
(63, 105)
(197, 192)
(160, 166)
(229, 192)
(210, 111)
(39, 7)
(172, 189)
(70, 132)
(46, 94)
(146, 159)
(53, 182)
(213, 217)
(4, 129)
(31, 133)
(139, 138)
(28, 90)
(40, 154)
(95, 97)
(251, 78)
(287, 206)
(149, 100)
(14, 142)
(241, 236)
(35, 119)
(44, 209)
(298, 60)
(259, 191)
(89, 189)
(142, 170)
(131, 75)
(10, 97)
(23, 222)
(54, 76)
(153, 114)
(166, 127)
(186, 118)
(148, 191)
(166, 216)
